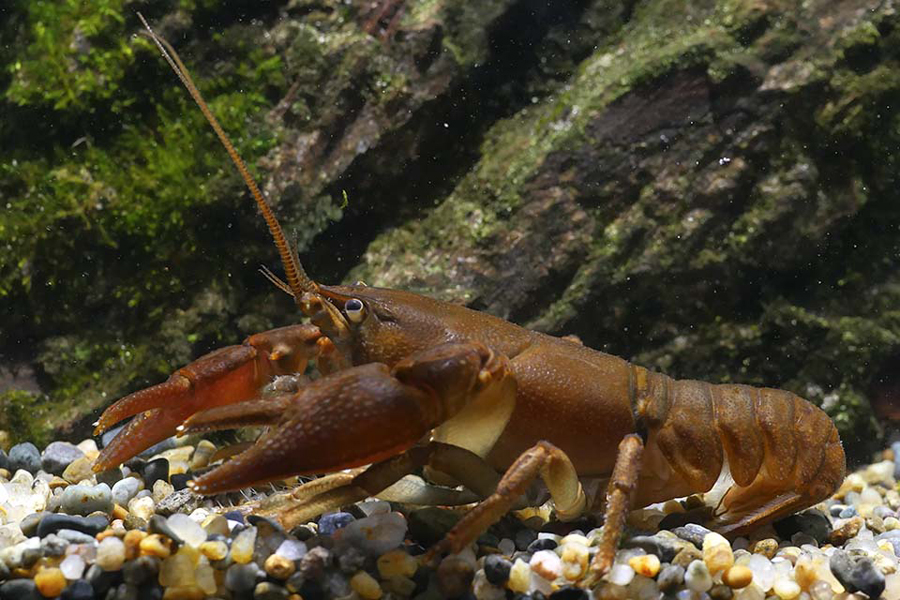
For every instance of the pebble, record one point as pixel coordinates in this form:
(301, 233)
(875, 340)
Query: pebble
(72, 567)
(51, 523)
(665, 548)
(50, 582)
(155, 470)
(646, 565)
(398, 563)
(125, 489)
(110, 554)
(242, 577)
(78, 590)
(4, 460)
(547, 564)
(24, 456)
(78, 470)
(857, 573)
(75, 537)
(85, 499)
(697, 577)
(670, 577)
(454, 576)
(717, 553)
(58, 455)
(19, 589)
(374, 535)
(279, 567)
(242, 546)
(620, 574)
(141, 570)
(737, 577)
(268, 590)
(692, 533)
(366, 586)
(186, 529)
(331, 522)
(497, 569)
(156, 545)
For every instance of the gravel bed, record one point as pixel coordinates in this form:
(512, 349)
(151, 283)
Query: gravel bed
(138, 532)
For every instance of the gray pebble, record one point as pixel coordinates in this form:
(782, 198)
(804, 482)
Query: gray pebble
(52, 523)
(848, 512)
(337, 584)
(312, 565)
(184, 501)
(243, 578)
(19, 589)
(100, 580)
(75, 537)
(524, 537)
(141, 570)
(85, 499)
(111, 476)
(30, 523)
(58, 455)
(159, 524)
(670, 577)
(351, 560)
(269, 591)
(664, 548)
(693, 533)
(812, 522)
(857, 573)
(53, 545)
(154, 471)
(883, 511)
(25, 456)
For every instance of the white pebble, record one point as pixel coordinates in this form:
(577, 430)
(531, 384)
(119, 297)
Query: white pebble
(763, 572)
(697, 577)
(750, 592)
(291, 549)
(142, 507)
(72, 567)
(187, 529)
(547, 564)
(620, 574)
(786, 588)
(374, 507)
(110, 554)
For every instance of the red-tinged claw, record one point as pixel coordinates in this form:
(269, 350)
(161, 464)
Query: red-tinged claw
(174, 390)
(263, 411)
(351, 418)
(148, 428)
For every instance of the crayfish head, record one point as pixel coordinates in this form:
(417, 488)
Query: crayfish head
(325, 315)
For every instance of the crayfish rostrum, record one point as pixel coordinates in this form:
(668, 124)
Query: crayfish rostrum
(410, 383)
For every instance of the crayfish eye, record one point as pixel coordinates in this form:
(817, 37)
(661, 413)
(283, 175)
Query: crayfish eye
(354, 310)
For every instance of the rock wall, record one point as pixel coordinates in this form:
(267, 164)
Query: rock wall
(707, 188)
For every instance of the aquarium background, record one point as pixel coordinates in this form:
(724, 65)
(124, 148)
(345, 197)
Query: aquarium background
(706, 188)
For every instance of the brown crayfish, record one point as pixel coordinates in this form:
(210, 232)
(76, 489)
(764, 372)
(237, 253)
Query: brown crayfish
(411, 383)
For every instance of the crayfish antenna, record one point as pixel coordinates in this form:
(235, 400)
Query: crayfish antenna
(297, 279)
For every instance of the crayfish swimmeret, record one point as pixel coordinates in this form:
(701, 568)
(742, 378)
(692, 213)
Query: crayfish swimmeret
(411, 383)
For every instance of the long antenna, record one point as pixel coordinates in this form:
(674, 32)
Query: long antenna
(297, 279)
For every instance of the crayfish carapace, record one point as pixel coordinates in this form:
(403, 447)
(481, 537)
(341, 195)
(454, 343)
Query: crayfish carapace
(411, 383)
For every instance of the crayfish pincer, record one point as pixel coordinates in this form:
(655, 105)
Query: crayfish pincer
(410, 384)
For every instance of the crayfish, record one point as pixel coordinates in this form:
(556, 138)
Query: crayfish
(412, 384)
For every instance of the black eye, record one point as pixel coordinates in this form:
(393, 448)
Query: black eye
(354, 309)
